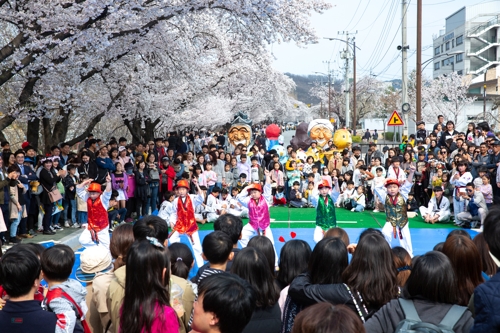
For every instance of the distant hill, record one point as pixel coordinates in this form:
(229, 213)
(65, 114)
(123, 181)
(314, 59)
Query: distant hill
(305, 83)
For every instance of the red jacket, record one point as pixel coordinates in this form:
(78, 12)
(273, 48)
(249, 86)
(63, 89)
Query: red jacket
(170, 175)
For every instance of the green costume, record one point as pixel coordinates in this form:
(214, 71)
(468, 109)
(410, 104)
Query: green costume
(325, 215)
(396, 211)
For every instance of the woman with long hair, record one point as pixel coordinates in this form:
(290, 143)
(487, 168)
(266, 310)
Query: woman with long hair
(48, 179)
(294, 257)
(141, 189)
(402, 260)
(122, 240)
(489, 266)
(432, 289)
(251, 265)
(264, 245)
(466, 263)
(181, 260)
(369, 281)
(153, 172)
(146, 304)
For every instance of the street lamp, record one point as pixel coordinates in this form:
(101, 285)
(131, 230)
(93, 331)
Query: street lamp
(329, 92)
(353, 47)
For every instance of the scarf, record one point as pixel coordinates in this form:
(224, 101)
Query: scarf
(186, 223)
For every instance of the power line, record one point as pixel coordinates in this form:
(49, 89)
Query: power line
(352, 18)
(364, 11)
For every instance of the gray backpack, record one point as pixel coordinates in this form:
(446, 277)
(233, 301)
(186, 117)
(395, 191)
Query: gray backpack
(412, 322)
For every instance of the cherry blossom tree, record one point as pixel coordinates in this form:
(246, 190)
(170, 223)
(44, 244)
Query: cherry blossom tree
(446, 95)
(64, 57)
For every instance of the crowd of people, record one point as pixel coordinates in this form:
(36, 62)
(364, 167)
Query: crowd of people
(137, 280)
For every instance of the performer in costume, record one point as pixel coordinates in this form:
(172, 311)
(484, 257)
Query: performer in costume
(324, 201)
(258, 211)
(395, 195)
(182, 220)
(97, 231)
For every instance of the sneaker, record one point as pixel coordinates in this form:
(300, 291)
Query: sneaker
(49, 232)
(111, 229)
(83, 226)
(52, 228)
(32, 232)
(14, 240)
(352, 210)
(66, 224)
(75, 225)
(25, 236)
(376, 210)
(57, 227)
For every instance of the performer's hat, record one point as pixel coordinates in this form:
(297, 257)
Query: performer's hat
(324, 183)
(183, 183)
(95, 187)
(391, 181)
(254, 187)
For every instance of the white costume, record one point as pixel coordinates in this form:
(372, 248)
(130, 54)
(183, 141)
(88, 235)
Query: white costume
(464, 179)
(396, 173)
(442, 209)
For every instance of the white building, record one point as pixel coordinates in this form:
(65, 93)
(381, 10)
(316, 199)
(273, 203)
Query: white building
(470, 43)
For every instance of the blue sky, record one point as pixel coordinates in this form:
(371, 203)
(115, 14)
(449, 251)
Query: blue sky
(376, 38)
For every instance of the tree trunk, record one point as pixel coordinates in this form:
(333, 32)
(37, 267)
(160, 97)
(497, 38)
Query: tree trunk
(134, 127)
(33, 132)
(47, 133)
(61, 126)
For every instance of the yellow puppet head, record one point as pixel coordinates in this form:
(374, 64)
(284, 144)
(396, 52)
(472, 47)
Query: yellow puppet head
(342, 138)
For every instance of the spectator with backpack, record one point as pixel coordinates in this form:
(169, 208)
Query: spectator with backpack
(66, 297)
(430, 296)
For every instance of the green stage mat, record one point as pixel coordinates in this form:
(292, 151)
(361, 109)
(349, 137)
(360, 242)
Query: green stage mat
(305, 218)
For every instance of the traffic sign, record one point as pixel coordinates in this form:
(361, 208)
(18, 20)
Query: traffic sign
(395, 119)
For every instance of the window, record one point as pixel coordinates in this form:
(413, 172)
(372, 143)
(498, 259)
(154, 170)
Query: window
(436, 65)
(447, 46)
(442, 48)
(452, 43)
(436, 51)
(460, 72)
(460, 40)
(460, 57)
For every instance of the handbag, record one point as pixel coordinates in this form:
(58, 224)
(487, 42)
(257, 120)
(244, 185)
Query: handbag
(154, 174)
(54, 194)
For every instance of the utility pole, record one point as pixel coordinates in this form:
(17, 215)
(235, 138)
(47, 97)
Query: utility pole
(354, 120)
(418, 94)
(329, 91)
(346, 54)
(484, 95)
(404, 57)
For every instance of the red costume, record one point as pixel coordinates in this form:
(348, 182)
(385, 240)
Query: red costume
(186, 222)
(97, 215)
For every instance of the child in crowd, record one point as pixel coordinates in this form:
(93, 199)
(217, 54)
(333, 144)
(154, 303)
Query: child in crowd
(412, 204)
(97, 231)
(256, 173)
(81, 205)
(228, 181)
(217, 250)
(242, 183)
(213, 206)
(116, 215)
(65, 297)
(279, 197)
(378, 181)
(296, 199)
(326, 176)
(346, 195)
(358, 200)
(210, 176)
(346, 166)
(277, 177)
(317, 177)
(119, 183)
(166, 208)
(486, 190)
(306, 194)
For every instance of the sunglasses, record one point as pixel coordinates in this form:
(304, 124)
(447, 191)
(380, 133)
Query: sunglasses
(444, 152)
(470, 190)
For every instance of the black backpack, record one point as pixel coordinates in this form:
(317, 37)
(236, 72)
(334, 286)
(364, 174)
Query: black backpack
(412, 322)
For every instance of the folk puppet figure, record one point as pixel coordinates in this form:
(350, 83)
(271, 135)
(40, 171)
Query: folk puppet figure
(394, 195)
(182, 220)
